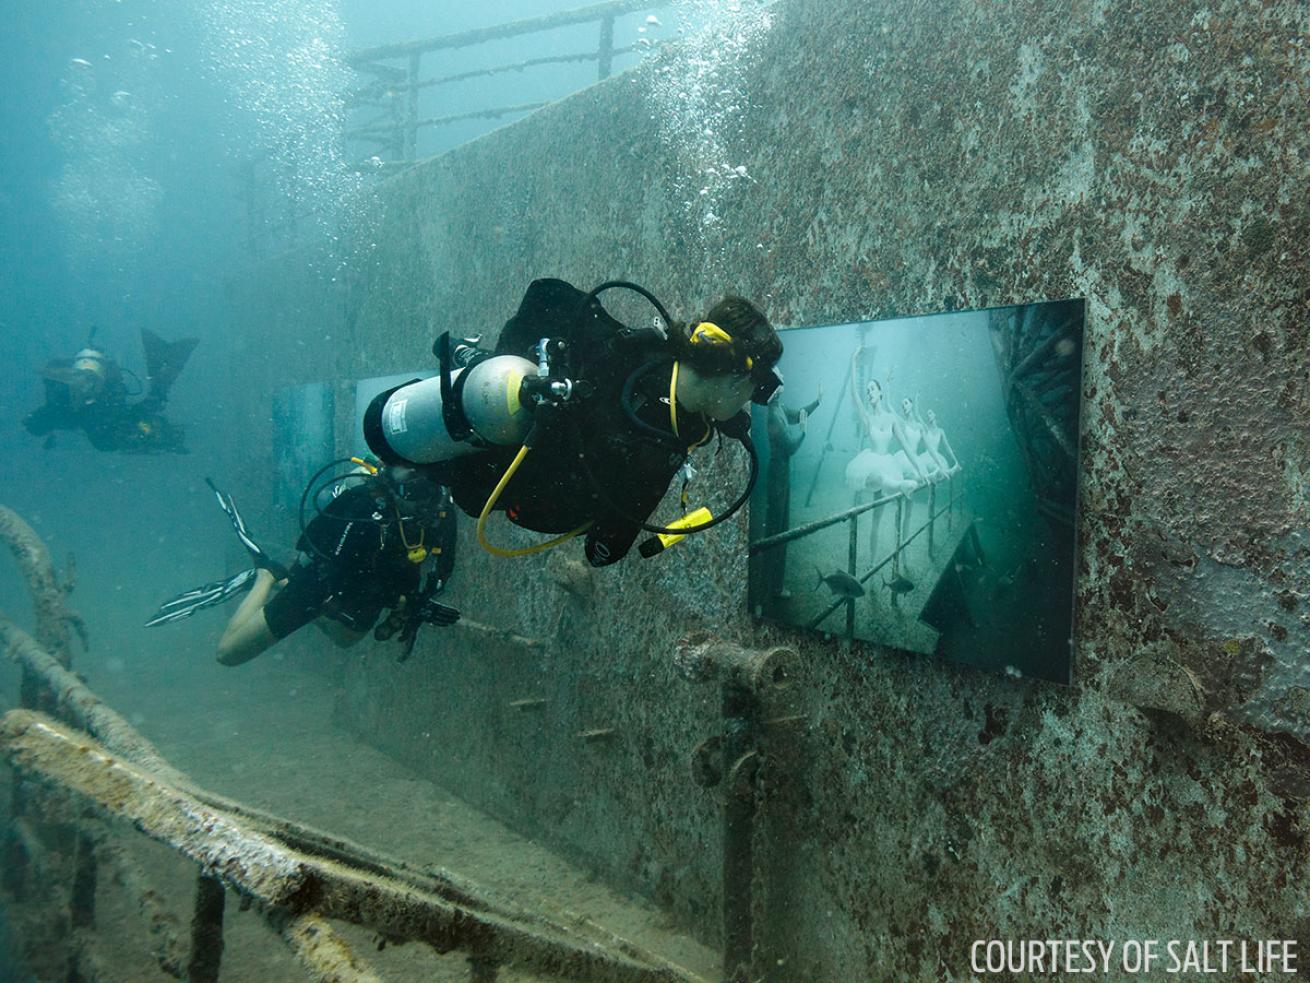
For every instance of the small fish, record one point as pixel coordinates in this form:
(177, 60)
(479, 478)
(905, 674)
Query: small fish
(898, 586)
(841, 584)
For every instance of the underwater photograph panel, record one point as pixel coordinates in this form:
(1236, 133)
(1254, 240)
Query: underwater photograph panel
(918, 486)
(303, 419)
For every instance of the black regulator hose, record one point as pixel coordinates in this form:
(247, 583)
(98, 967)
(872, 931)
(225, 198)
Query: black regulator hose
(741, 435)
(732, 509)
(627, 285)
(305, 497)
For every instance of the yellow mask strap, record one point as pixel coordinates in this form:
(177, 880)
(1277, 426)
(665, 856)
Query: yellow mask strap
(709, 333)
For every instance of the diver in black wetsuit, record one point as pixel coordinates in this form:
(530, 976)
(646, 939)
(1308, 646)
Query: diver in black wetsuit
(359, 555)
(783, 445)
(609, 416)
(88, 393)
(362, 553)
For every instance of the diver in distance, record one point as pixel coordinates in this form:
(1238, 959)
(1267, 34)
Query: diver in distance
(361, 554)
(89, 392)
(577, 423)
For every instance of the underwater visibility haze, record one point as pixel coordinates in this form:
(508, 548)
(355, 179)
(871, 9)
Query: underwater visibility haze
(600, 490)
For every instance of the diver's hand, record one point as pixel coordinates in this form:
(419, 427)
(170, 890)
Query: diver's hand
(441, 615)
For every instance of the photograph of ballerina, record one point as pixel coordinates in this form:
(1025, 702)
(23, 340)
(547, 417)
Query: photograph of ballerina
(918, 486)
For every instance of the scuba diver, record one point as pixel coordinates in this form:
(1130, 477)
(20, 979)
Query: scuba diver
(360, 554)
(88, 393)
(577, 423)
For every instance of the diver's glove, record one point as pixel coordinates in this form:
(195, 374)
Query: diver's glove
(433, 613)
(408, 620)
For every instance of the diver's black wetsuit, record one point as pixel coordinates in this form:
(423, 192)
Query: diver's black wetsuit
(354, 564)
(109, 420)
(631, 462)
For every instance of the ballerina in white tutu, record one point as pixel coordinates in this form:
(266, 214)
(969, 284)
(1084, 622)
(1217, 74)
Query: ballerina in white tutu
(878, 470)
(936, 445)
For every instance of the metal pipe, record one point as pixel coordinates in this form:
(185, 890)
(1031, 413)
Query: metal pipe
(747, 677)
(519, 66)
(53, 619)
(499, 634)
(740, 737)
(896, 553)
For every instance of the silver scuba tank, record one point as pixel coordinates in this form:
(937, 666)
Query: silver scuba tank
(410, 422)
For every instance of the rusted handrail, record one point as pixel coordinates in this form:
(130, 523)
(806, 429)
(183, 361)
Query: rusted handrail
(53, 619)
(284, 881)
(389, 89)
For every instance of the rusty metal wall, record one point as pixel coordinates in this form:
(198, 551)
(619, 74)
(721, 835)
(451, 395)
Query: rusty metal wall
(911, 157)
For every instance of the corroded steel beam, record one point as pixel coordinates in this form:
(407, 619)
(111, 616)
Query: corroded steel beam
(279, 877)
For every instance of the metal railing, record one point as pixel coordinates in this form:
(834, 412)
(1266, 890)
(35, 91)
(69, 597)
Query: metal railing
(393, 90)
(84, 778)
(852, 517)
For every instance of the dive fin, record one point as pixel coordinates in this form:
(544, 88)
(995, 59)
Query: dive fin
(257, 554)
(164, 361)
(187, 603)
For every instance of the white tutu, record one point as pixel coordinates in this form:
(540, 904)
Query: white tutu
(869, 470)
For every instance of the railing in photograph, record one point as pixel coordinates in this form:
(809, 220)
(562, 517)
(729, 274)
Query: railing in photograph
(852, 517)
(394, 89)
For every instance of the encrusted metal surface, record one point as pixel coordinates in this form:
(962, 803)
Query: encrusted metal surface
(233, 853)
(911, 157)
